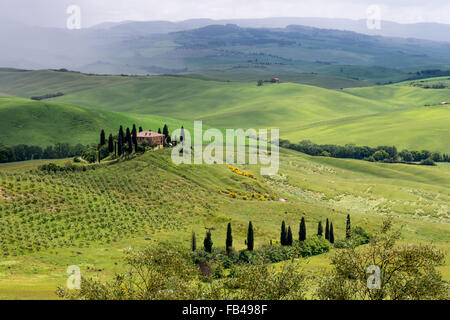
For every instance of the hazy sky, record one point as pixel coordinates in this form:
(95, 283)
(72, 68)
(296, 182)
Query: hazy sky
(53, 12)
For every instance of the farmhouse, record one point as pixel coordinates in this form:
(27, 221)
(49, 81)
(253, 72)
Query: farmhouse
(276, 80)
(151, 138)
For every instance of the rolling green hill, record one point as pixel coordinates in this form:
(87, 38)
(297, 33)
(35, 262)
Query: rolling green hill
(371, 116)
(25, 84)
(30, 122)
(89, 218)
(409, 117)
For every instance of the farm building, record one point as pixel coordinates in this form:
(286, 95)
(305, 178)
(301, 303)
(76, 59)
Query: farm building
(276, 80)
(151, 138)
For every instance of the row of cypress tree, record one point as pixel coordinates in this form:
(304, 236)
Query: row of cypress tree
(286, 238)
(208, 243)
(126, 141)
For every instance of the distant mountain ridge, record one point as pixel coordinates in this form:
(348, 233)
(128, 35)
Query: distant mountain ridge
(260, 46)
(422, 30)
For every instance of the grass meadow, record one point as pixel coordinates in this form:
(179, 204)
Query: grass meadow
(52, 221)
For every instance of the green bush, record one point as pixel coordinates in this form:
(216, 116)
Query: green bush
(276, 254)
(359, 237)
(200, 255)
(251, 257)
(313, 246)
(104, 152)
(427, 162)
(380, 155)
(90, 155)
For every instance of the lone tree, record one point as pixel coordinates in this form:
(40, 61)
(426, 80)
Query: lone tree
(283, 236)
(331, 234)
(320, 229)
(327, 230)
(348, 230)
(302, 232)
(289, 240)
(250, 237)
(193, 242)
(207, 243)
(385, 269)
(102, 138)
(111, 144)
(229, 241)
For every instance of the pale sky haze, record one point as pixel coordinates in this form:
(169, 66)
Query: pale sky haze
(52, 13)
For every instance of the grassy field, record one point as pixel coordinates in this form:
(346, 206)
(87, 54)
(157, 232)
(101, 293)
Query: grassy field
(312, 79)
(24, 121)
(51, 221)
(409, 117)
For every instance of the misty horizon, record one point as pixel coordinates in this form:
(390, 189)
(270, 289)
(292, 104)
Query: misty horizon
(49, 13)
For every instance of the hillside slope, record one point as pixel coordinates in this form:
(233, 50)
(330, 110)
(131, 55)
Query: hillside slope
(409, 117)
(89, 218)
(30, 122)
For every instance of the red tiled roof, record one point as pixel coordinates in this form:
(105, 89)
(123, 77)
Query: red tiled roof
(148, 134)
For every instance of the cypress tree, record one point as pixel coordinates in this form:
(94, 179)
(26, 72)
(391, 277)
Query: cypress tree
(129, 141)
(182, 134)
(127, 135)
(159, 130)
(140, 129)
(302, 232)
(348, 229)
(134, 138)
(166, 131)
(327, 231)
(102, 138)
(111, 144)
(207, 243)
(283, 236)
(250, 237)
(289, 240)
(331, 234)
(320, 229)
(120, 142)
(229, 241)
(193, 242)
(134, 134)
